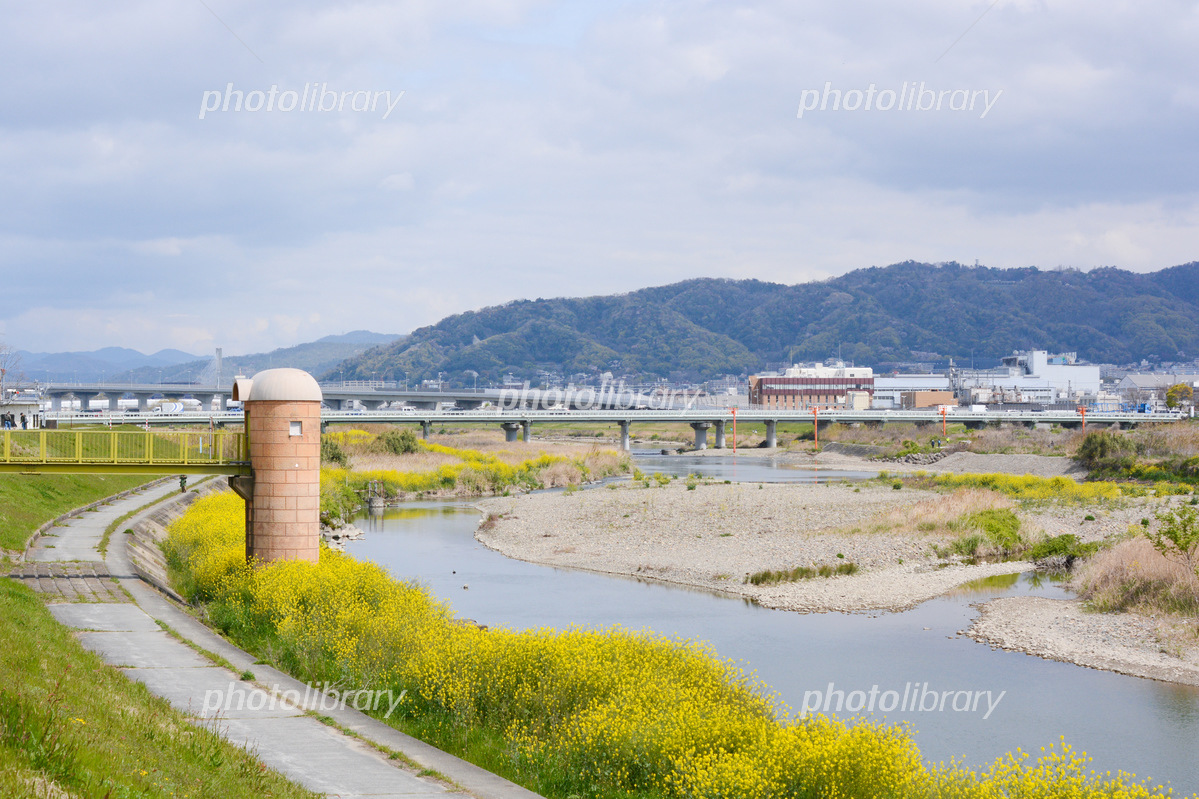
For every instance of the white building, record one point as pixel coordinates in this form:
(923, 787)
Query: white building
(887, 390)
(1062, 371)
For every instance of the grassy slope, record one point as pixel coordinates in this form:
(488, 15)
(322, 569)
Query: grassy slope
(69, 722)
(28, 501)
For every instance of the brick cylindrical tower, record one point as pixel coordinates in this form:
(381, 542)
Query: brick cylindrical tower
(283, 424)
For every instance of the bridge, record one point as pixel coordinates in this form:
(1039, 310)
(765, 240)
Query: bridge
(341, 396)
(99, 451)
(517, 424)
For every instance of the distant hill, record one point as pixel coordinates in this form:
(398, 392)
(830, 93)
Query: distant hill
(701, 328)
(97, 364)
(124, 365)
(316, 357)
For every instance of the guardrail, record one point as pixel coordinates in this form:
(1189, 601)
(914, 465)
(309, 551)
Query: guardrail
(125, 452)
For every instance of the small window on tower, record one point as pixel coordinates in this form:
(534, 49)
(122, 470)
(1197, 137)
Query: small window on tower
(297, 428)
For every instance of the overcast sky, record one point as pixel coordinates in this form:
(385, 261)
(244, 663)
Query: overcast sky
(554, 148)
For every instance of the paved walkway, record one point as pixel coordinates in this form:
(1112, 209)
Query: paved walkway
(267, 711)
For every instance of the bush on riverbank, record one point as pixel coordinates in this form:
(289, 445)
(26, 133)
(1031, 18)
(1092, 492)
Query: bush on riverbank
(601, 713)
(1167, 455)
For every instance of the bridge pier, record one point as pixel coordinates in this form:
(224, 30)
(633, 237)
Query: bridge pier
(624, 436)
(425, 427)
(511, 430)
(719, 431)
(526, 431)
(701, 434)
(771, 437)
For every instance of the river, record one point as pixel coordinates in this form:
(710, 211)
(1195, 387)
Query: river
(1138, 725)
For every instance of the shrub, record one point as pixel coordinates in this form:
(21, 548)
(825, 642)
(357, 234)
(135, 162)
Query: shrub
(1106, 451)
(1177, 536)
(1000, 526)
(331, 452)
(397, 442)
(1065, 548)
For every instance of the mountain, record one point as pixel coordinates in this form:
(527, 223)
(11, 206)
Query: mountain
(96, 364)
(317, 357)
(125, 365)
(706, 327)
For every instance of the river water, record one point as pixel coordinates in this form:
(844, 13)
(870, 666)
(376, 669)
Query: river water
(1138, 725)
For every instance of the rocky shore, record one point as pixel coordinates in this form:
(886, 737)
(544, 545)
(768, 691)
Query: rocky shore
(717, 535)
(1057, 629)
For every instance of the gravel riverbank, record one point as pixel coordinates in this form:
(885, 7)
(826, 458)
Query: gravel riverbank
(1057, 629)
(715, 536)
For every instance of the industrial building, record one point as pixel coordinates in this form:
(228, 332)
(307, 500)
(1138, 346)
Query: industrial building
(802, 387)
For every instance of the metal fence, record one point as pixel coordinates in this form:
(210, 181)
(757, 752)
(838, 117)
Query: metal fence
(217, 451)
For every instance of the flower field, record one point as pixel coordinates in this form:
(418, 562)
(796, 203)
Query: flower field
(456, 471)
(595, 713)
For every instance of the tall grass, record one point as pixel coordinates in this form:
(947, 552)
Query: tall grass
(600, 713)
(1133, 575)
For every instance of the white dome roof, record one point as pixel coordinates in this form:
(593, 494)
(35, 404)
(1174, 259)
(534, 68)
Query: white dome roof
(283, 385)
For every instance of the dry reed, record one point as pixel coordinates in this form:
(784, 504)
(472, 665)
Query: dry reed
(936, 516)
(1133, 575)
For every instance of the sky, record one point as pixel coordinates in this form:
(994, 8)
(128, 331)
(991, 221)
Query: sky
(196, 174)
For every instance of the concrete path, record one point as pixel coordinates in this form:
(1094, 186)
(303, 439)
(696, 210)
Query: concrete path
(266, 711)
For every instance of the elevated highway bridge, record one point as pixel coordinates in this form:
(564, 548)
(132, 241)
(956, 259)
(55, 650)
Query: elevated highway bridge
(517, 424)
(344, 396)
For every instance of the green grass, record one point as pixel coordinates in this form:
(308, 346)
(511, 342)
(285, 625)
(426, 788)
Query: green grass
(769, 577)
(28, 501)
(69, 725)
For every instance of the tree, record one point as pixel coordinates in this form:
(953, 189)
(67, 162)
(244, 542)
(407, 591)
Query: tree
(1179, 394)
(1177, 536)
(10, 367)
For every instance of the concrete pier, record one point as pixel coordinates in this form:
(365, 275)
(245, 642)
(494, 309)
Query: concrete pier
(701, 434)
(771, 437)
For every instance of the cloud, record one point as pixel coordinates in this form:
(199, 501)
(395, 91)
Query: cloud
(546, 148)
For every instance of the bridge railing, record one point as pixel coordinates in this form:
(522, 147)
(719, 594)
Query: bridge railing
(134, 449)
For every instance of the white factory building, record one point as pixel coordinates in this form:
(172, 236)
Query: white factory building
(1035, 377)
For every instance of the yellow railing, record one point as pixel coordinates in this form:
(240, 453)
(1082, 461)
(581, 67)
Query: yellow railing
(125, 451)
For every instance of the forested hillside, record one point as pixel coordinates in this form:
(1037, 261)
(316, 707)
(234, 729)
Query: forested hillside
(706, 327)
